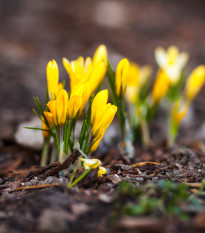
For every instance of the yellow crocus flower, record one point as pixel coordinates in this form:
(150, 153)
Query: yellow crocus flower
(161, 86)
(46, 134)
(102, 115)
(103, 123)
(136, 78)
(88, 163)
(88, 70)
(61, 107)
(195, 82)
(121, 77)
(171, 61)
(98, 106)
(52, 78)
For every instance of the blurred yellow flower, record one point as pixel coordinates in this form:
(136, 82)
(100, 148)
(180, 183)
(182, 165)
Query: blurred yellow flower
(195, 82)
(179, 111)
(102, 115)
(100, 54)
(122, 71)
(89, 71)
(171, 61)
(136, 78)
(52, 79)
(161, 86)
(101, 171)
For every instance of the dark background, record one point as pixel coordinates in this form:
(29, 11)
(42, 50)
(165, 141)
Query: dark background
(34, 32)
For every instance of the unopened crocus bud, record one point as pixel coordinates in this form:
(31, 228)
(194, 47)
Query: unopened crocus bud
(61, 107)
(100, 54)
(195, 82)
(121, 77)
(102, 115)
(161, 86)
(52, 79)
(98, 106)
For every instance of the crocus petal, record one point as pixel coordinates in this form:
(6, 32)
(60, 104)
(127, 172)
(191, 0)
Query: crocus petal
(88, 163)
(160, 56)
(62, 107)
(101, 171)
(161, 86)
(98, 105)
(74, 105)
(100, 55)
(52, 78)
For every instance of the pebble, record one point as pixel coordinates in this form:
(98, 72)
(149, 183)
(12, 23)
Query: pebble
(28, 137)
(53, 220)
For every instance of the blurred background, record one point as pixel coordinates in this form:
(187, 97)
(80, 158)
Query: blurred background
(34, 32)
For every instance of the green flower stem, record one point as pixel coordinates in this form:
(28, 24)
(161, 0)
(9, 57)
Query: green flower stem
(70, 185)
(71, 179)
(44, 155)
(172, 128)
(53, 154)
(145, 133)
(61, 154)
(128, 148)
(172, 132)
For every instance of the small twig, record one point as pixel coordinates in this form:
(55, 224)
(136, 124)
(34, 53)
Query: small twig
(52, 169)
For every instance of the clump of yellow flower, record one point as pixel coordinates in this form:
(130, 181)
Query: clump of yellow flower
(102, 115)
(63, 107)
(88, 163)
(171, 61)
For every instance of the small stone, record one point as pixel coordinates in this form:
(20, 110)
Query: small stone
(53, 220)
(28, 137)
(116, 179)
(79, 208)
(105, 198)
